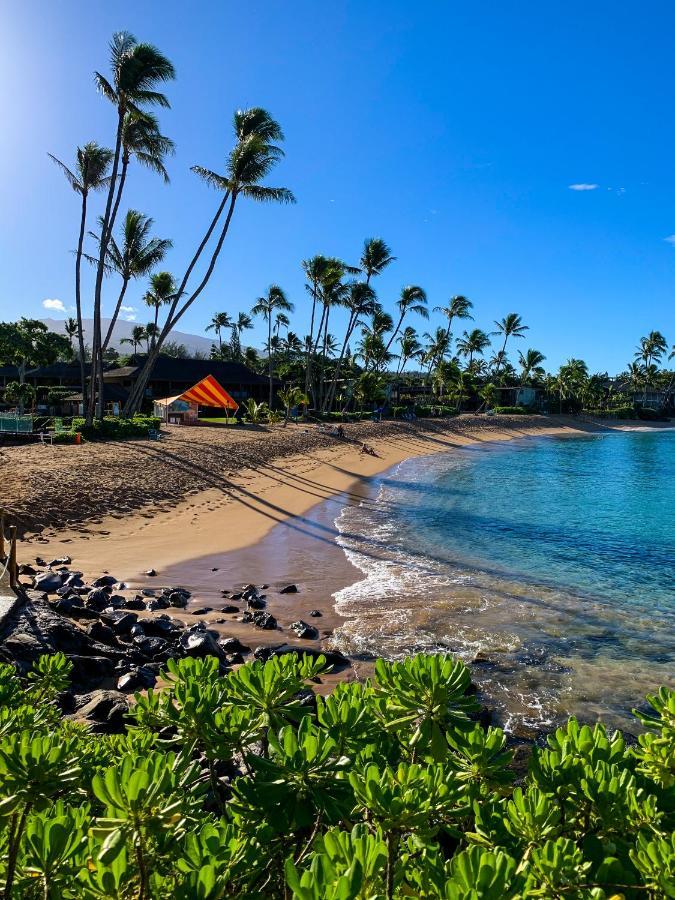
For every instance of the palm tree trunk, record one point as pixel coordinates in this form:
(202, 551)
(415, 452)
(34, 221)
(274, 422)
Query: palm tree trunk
(338, 367)
(308, 362)
(78, 298)
(138, 391)
(100, 269)
(269, 352)
(395, 332)
(113, 320)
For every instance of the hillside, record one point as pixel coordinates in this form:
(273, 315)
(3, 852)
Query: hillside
(192, 342)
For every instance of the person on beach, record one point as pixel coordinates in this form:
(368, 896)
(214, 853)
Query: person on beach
(367, 450)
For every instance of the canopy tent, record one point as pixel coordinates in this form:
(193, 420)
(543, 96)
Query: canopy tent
(206, 392)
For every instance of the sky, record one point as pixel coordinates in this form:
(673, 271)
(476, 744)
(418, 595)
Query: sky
(520, 154)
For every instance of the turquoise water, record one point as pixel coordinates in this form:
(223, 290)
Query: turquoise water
(548, 562)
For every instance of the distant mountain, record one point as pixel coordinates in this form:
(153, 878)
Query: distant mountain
(193, 342)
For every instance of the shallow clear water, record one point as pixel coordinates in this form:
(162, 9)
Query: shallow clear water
(550, 562)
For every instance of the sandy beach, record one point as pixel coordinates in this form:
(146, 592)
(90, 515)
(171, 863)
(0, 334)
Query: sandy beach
(214, 538)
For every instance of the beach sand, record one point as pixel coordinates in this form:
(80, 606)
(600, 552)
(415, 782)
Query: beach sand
(219, 537)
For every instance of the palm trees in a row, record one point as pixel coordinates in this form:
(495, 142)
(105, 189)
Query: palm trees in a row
(138, 73)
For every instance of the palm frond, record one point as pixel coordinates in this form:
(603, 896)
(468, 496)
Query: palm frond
(104, 87)
(220, 182)
(70, 176)
(268, 194)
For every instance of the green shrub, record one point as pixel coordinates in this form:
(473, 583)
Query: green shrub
(435, 411)
(64, 437)
(114, 428)
(619, 412)
(233, 785)
(514, 410)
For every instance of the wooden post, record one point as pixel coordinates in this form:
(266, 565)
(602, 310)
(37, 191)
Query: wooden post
(2, 533)
(13, 576)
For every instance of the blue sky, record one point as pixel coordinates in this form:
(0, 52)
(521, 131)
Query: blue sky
(452, 130)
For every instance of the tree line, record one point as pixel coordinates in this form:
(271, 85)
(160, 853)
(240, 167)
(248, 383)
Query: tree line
(372, 351)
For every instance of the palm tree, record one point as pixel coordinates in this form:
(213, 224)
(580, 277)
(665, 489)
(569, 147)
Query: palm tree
(410, 348)
(137, 70)
(138, 335)
(530, 365)
(474, 342)
(571, 380)
(375, 258)
(273, 301)
(437, 346)
(71, 330)
(150, 333)
(459, 307)
(220, 321)
(510, 326)
(250, 161)
(412, 299)
(142, 139)
(361, 302)
(242, 322)
(91, 174)
(291, 396)
(650, 350)
(134, 257)
(162, 289)
(281, 320)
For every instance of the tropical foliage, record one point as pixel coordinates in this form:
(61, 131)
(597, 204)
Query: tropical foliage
(245, 784)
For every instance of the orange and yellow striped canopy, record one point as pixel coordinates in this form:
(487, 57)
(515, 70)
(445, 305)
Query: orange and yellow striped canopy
(207, 392)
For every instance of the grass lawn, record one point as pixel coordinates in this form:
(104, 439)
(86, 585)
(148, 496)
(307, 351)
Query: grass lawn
(218, 420)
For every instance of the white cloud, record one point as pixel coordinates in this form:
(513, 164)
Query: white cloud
(54, 305)
(670, 240)
(128, 317)
(128, 309)
(583, 186)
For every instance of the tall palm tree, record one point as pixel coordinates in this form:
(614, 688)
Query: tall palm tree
(237, 326)
(71, 330)
(332, 292)
(281, 320)
(472, 342)
(361, 303)
(413, 299)
(510, 326)
(375, 258)
(162, 289)
(150, 333)
(410, 348)
(459, 307)
(251, 160)
(530, 365)
(314, 269)
(137, 70)
(91, 174)
(138, 335)
(143, 141)
(219, 322)
(650, 350)
(266, 306)
(437, 347)
(135, 256)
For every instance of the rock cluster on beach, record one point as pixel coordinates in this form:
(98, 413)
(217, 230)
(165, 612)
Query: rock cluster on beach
(119, 640)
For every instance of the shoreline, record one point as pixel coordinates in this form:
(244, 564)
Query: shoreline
(239, 514)
(217, 539)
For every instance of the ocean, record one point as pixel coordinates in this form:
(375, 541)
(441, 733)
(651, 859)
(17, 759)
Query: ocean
(549, 563)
